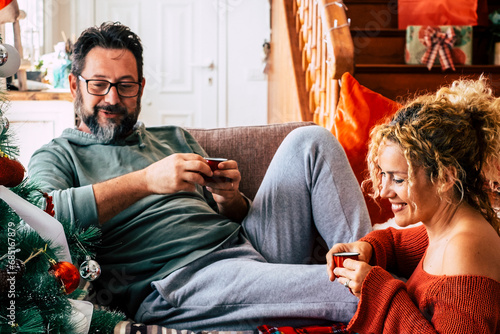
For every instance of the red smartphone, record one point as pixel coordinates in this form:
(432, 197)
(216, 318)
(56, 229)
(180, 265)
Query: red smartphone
(214, 162)
(214, 165)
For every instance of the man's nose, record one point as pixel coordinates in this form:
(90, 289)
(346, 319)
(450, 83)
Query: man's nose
(112, 97)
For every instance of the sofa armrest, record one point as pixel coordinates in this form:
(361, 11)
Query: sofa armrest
(253, 147)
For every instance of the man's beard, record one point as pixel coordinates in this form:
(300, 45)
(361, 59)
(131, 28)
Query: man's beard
(113, 129)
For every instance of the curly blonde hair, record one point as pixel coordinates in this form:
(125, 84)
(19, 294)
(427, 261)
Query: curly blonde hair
(458, 127)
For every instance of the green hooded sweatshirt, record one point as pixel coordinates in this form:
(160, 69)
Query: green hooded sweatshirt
(151, 238)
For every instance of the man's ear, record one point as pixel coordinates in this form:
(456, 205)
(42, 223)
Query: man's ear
(143, 83)
(73, 83)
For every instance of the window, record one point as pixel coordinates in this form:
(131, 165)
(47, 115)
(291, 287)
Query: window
(31, 29)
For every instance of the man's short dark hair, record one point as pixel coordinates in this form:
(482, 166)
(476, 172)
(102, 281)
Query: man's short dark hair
(110, 35)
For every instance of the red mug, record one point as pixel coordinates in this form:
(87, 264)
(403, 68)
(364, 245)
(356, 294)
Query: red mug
(339, 258)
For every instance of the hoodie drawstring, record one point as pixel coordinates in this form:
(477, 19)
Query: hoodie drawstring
(141, 142)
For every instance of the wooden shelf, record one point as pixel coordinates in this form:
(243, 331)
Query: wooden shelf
(50, 95)
(398, 82)
(422, 69)
(382, 32)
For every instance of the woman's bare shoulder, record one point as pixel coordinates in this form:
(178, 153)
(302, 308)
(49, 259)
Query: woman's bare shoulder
(473, 252)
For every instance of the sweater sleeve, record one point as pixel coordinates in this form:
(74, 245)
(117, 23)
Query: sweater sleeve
(51, 171)
(455, 304)
(398, 250)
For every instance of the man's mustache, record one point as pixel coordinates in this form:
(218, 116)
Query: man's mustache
(115, 109)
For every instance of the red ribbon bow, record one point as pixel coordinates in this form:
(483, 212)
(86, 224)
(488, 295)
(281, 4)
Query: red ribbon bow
(440, 42)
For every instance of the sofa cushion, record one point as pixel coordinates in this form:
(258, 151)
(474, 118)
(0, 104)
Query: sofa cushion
(252, 147)
(358, 110)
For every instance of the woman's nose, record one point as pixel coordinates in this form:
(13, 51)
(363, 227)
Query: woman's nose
(386, 190)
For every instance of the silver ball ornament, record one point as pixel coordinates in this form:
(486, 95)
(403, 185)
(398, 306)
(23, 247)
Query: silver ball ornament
(4, 55)
(4, 124)
(10, 60)
(90, 269)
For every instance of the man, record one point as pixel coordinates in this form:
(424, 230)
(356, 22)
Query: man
(178, 250)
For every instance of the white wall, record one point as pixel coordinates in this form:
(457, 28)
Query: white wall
(244, 25)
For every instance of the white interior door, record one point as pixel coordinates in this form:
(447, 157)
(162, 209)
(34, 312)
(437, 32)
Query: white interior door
(203, 58)
(180, 57)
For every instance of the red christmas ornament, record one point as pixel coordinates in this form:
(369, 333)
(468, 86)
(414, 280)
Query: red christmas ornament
(50, 206)
(68, 274)
(11, 172)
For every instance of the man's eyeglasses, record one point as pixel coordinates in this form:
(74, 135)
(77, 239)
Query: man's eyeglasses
(102, 87)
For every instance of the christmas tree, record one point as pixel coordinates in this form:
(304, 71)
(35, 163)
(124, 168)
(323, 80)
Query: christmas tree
(39, 282)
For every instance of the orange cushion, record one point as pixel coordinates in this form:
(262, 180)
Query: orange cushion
(358, 110)
(4, 3)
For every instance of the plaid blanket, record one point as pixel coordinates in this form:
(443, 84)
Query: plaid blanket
(129, 327)
(335, 328)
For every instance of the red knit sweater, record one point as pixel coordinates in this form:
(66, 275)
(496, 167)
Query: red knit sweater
(426, 303)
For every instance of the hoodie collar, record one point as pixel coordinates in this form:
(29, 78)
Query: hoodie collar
(84, 138)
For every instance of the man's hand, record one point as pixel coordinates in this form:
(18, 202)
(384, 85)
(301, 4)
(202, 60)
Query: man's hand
(224, 185)
(225, 182)
(182, 171)
(177, 172)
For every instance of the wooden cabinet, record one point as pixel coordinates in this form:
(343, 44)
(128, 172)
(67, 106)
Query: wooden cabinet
(36, 118)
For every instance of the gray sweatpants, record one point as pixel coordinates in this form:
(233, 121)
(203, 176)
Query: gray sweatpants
(267, 275)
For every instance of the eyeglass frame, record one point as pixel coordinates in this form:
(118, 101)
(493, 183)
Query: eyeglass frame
(110, 86)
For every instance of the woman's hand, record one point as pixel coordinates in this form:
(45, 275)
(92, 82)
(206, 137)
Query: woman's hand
(362, 247)
(354, 272)
(352, 275)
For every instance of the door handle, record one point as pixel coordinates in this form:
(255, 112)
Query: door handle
(209, 64)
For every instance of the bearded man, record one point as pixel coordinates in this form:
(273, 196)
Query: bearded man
(179, 250)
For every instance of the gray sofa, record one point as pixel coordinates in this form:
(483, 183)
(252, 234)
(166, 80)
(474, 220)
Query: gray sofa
(253, 147)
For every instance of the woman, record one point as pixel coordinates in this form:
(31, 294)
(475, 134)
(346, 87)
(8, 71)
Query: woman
(433, 161)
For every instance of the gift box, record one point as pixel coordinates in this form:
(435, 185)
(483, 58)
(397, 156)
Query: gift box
(440, 12)
(445, 45)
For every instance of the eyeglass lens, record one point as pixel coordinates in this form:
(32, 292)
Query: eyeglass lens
(102, 87)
